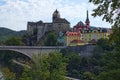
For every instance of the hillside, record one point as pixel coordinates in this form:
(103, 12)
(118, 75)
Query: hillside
(6, 33)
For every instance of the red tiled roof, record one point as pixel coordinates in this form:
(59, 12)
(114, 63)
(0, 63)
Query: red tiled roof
(77, 41)
(72, 33)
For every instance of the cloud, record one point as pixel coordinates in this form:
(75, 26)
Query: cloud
(15, 14)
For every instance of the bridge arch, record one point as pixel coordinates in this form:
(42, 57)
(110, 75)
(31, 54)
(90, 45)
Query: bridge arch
(17, 54)
(18, 51)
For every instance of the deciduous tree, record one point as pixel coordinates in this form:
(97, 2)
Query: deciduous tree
(51, 39)
(14, 41)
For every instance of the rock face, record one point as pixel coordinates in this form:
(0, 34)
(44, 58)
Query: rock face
(84, 51)
(58, 24)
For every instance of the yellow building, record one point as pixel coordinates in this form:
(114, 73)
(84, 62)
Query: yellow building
(73, 39)
(95, 34)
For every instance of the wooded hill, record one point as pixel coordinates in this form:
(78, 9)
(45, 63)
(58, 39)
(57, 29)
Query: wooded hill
(6, 33)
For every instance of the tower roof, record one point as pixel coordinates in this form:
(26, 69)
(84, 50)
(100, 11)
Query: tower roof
(61, 20)
(56, 11)
(87, 19)
(56, 14)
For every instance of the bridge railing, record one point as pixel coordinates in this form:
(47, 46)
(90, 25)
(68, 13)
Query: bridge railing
(31, 47)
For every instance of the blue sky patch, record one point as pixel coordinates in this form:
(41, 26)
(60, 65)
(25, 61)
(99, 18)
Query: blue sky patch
(25, 0)
(2, 2)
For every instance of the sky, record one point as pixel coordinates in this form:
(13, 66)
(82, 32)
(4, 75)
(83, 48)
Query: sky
(14, 14)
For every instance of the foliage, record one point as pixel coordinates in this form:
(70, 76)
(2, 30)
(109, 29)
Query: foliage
(111, 13)
(38, 71)
(97, 52)
(8, 75)
(110, 75)
(27, 39)
(26, 75)
(110, 9)
(51, 39)
(50, 67)
(30, 39)
(14, 41)
(115, 37)
(6, 33)
(88, 75)
(74, 63)
(6, 57)
(104, 44)
(108, 65)
(57, 66)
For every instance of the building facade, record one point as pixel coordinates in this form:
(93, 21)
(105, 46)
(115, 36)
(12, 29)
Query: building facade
(72, 38)
(90, 34)
(80, 26)
(93, 35)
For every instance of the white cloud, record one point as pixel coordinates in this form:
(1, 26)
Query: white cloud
(15, 13)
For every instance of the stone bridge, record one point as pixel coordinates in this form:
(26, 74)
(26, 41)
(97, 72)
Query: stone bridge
(32, 50)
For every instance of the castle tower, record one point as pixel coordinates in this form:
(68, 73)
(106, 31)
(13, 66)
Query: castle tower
(87, 21)
(56, 15)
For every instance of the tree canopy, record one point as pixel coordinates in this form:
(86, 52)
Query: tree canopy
(14, 41)
(109, 9)
(51, 39)
(46, 67)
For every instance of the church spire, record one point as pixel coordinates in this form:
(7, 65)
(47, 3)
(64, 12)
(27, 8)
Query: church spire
(87, 21)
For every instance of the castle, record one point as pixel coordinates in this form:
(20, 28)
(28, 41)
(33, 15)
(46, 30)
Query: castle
(58, 24)
(81, 33)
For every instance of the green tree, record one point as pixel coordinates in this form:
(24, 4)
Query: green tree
(39, 70)
(26, 75)
(115, 38)
(51, 39)
(110, 75)
(88, 75)
(104, 44)
(57, 66)
(109, 9)
(97, 52)
(46, 67)
(74, 63)
(29, 39)
(14, 41)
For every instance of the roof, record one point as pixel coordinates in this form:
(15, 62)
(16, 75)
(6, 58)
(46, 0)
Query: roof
(56, 11)
(77, 41)
(91, 29)
(33, 23)
(72, 33)
(61, 20)
(80, 23)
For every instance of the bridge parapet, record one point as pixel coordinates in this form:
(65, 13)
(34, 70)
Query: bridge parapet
(32, 47)
(32, 50)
